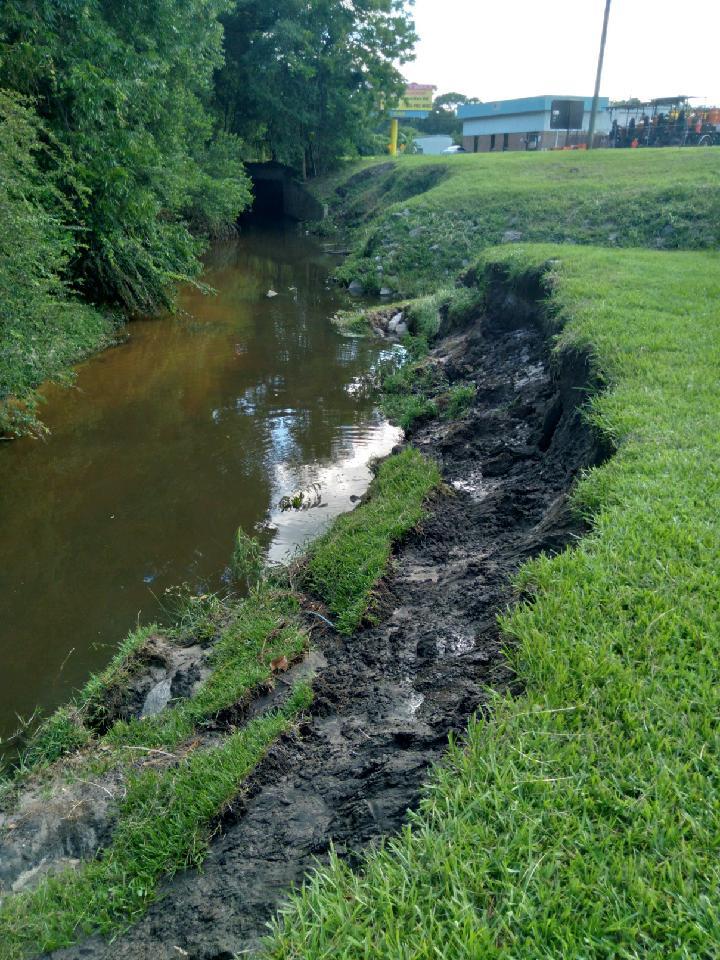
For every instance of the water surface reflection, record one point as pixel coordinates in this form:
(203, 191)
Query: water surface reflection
(168, 443)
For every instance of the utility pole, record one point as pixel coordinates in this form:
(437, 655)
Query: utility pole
(598, 81)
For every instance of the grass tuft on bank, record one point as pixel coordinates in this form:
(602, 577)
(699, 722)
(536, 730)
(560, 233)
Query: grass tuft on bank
(582, 819)
(164, 827)
(345, 564)
(415, 223)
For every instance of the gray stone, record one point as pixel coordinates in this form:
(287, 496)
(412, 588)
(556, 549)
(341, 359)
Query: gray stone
(357, 288)
(271, 293)
(397, 322)
(385, 292)
(157, 699)
(512, 236)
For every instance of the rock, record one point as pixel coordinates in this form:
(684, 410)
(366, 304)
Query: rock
(385, 292)
(512, 236)
(271, 293)
(416, 232)
(157, 699)
(397, 326)
(357, 288)
(395, 322)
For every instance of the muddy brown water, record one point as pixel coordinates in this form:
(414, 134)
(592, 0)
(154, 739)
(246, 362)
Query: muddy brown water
(197, 425)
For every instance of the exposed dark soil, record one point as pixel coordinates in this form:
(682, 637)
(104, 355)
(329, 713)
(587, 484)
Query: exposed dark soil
(388, 696)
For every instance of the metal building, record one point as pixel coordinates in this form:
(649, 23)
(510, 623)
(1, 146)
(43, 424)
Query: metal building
(531, 123)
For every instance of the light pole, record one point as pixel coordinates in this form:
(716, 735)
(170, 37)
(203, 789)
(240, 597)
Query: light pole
(598, 81)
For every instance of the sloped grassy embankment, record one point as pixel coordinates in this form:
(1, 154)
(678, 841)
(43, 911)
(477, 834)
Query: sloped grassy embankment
(582, 819)
(180, 769)
(415, 223)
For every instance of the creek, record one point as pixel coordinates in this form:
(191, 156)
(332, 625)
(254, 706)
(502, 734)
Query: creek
(197, 424)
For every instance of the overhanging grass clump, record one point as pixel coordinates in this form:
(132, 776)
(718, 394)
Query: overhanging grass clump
(163, 828)
(416, 240)
(264, 628)
(583, 819)
(345, 564)
(255, 632)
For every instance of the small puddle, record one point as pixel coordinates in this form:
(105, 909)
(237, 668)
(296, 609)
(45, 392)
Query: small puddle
(197, 425)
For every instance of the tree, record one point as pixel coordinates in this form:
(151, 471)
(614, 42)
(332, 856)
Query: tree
(305, 79)
(125, 87)
(42, 326)
(443, 118)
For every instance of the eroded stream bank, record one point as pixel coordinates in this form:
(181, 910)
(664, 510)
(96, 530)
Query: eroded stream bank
(196, 425)
(386, 698)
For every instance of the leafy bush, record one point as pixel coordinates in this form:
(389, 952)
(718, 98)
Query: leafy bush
(43, 327)
(125, 88)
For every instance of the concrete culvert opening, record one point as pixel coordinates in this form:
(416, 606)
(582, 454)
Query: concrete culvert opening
(281, 194)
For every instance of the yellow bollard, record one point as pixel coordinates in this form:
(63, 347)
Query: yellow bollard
(394, 134)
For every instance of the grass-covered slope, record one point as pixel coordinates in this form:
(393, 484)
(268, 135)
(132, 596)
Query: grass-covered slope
(583, 819)
(415, 222)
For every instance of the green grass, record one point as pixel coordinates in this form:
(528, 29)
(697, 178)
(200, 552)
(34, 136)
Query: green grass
(582, 820)
(70, 727)
(163, 828)
(422, 219)
(461, 397)
(263, 628)
(408, 392)
(345, 564)
(257, 630)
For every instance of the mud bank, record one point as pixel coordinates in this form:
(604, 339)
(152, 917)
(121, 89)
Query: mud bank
(387, 697)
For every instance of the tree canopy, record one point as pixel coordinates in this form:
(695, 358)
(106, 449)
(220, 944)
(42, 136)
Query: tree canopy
(124, 125)
(303, 82)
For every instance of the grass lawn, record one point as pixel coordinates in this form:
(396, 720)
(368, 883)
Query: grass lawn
(582, 820)
(416, 222)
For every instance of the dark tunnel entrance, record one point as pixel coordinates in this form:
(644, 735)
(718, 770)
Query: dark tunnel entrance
(281, 194)
(269, 199)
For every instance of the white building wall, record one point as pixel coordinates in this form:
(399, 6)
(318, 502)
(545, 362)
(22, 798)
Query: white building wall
(520, 123)
(528, 123)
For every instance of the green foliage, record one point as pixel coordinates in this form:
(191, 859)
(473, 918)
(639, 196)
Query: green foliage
(443, 117)
(42, 326)
(164, 827)
(248, 558)
(346, 564)
(304, 82)
(125, 89)
(580, 820)
(427, 218)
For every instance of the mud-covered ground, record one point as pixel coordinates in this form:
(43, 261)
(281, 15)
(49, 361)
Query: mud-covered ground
(387, 697)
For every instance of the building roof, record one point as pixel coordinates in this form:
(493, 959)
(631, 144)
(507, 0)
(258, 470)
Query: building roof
(506, 108)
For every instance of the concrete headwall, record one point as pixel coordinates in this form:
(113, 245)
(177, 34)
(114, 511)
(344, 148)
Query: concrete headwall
(280, 193)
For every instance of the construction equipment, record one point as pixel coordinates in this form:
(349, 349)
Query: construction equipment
(664, 122)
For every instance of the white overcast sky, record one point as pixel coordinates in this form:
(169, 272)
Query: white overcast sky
(496, 49)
